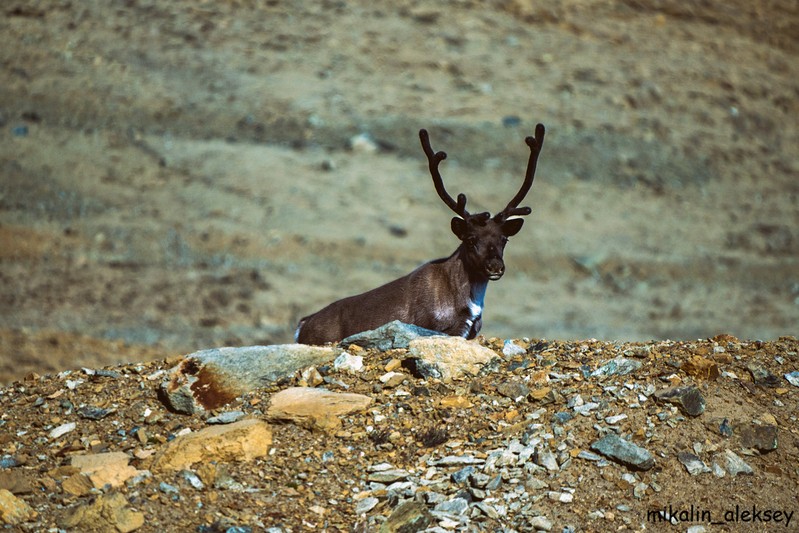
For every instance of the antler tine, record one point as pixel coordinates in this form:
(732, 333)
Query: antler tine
(535, 145)
(433, 159)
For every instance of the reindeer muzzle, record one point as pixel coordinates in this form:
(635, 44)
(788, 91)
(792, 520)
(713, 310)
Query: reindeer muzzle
(494, 269)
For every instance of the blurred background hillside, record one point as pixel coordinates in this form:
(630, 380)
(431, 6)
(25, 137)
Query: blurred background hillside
(176, 176)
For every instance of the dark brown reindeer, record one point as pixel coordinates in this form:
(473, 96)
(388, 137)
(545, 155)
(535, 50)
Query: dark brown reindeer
(444, 295)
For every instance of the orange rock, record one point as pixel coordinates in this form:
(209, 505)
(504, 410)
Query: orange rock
(242, 441)
(109, 512)
(105, 468)
(455, 402)
(541, 376)
(701, 367)
(77, 485)
(539, 394)
(14, 510)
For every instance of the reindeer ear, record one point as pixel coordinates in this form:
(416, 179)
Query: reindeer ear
(458, 226)
(512, 226)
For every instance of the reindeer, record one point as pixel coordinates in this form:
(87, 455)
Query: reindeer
(443, 295)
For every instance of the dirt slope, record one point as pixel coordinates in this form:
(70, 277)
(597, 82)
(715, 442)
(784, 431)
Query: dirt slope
(181, 176)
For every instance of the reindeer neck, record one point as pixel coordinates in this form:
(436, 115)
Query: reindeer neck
(461, 274)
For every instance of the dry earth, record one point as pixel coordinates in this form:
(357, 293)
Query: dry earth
(180, 176)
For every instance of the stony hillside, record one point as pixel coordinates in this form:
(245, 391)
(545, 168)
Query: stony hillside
(521, 435)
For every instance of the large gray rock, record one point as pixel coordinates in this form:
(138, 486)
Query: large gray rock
(394, 335)
(209, 379)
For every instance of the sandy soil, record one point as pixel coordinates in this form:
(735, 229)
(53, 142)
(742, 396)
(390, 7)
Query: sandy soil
(177, 177)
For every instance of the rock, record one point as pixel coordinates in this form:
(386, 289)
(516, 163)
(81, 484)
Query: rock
(689, 399)
(348, 363)
(495, 482)
(108, 512)
(365, 505)
(61, 430)
(510, 349)
(544, 393)
(449, 358)
(545, 457)
(408, 517)
(761, 376)
(394, 335)
(701, 367)
(228, 417)
(735, 465)
(589, 456)
(586, 408)
(455, 506)
(91, 412)
(624, 452)
(562, 497)
(462, 475)
(13, 510)
(193, 479)
(105, 468)
(692, 463)
(240, 441)
(310, 377)
(541, 523)
(166, 488)
(761, 438)
(388, 476)
(316, 408)
(620, 366)
(456, 460)
(8, 461)
(455, 402)
(212, 378)
(77, 485)
(615, 419)
(17, 481)
(392, 379)
(793, 378)
(514, 390)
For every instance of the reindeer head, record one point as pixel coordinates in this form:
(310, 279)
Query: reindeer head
(484, 237)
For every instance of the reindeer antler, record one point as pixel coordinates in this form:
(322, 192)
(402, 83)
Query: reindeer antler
(433, 159)
(535, 145)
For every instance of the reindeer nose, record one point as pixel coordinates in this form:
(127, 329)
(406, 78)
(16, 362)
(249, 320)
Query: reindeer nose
(495, 268)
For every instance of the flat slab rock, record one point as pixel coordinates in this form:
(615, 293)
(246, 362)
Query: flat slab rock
(315, 408)
(102, 469)
(209, 379)
(624, 452)
(240, 441)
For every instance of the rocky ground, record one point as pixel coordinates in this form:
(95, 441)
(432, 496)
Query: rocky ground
(522, 435)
